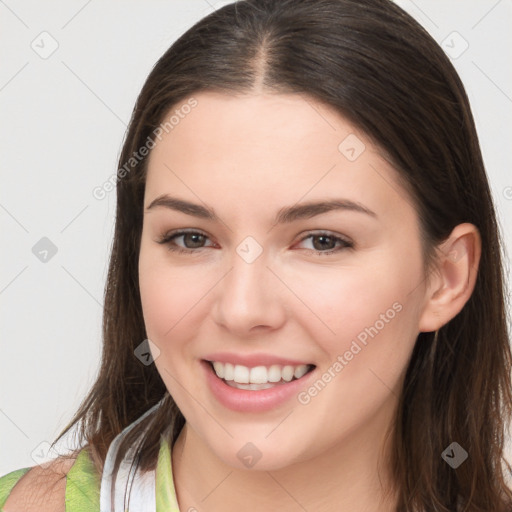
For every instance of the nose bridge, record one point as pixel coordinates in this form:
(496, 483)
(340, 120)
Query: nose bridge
(249, 273)
(249, 294)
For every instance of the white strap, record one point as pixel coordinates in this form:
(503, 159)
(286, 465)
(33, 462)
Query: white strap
(141, 490)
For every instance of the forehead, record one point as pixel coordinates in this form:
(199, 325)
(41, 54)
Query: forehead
(246, 124)
(275, 148)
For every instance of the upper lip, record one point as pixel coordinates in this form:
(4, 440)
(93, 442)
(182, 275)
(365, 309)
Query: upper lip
(252, 360)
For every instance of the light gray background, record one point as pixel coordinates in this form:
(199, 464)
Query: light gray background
(63, 119)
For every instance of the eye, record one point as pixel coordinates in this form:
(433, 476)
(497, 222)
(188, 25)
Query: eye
(192, 240)
(324, 243)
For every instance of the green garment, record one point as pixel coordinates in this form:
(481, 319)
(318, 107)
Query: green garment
(83, 484)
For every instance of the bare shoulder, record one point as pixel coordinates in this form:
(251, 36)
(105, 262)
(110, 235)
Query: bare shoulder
(42, 488)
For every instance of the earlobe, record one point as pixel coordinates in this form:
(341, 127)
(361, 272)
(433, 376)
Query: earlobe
(457, 268)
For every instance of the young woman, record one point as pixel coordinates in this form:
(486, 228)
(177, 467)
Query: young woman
(305, 302)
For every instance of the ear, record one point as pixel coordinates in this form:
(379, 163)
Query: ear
(455, 277)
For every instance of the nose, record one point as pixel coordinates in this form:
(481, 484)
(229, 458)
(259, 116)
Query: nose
(250, 298)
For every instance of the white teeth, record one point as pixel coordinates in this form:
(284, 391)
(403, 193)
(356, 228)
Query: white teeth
(251, 387)
(259, 374)
(241, 374)
(274, 373)
(287, 373)
(229, 371)
(219, 369)
(300, 371)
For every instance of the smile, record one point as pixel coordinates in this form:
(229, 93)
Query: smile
(258, 388)
(258, 377)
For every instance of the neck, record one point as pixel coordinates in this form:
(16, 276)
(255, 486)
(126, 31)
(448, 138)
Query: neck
(347, 477)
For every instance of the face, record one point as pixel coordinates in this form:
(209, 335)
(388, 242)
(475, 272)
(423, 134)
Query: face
(282, 321)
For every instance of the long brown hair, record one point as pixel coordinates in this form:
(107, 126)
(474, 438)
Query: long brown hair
(375, 65)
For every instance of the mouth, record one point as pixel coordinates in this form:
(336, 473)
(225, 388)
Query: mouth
(258, 378)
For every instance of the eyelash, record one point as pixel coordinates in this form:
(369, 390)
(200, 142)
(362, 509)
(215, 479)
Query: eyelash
(167, 239)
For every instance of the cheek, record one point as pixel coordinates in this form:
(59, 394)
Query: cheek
(366, 313)
(171, 300)
(346, 299)
(165, 299)
(366, 328)
(171, 296)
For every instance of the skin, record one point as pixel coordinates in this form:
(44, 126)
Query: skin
(246, 157)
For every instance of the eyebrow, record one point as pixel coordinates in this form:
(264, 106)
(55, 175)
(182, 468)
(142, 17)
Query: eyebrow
(285, 215)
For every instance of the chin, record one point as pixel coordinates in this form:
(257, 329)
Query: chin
(255, 453)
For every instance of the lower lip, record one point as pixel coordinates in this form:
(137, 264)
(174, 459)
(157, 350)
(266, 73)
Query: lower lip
(243, 400)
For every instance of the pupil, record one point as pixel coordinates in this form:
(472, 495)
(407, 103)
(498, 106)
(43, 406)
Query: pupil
(322, 245)
(197, 240)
